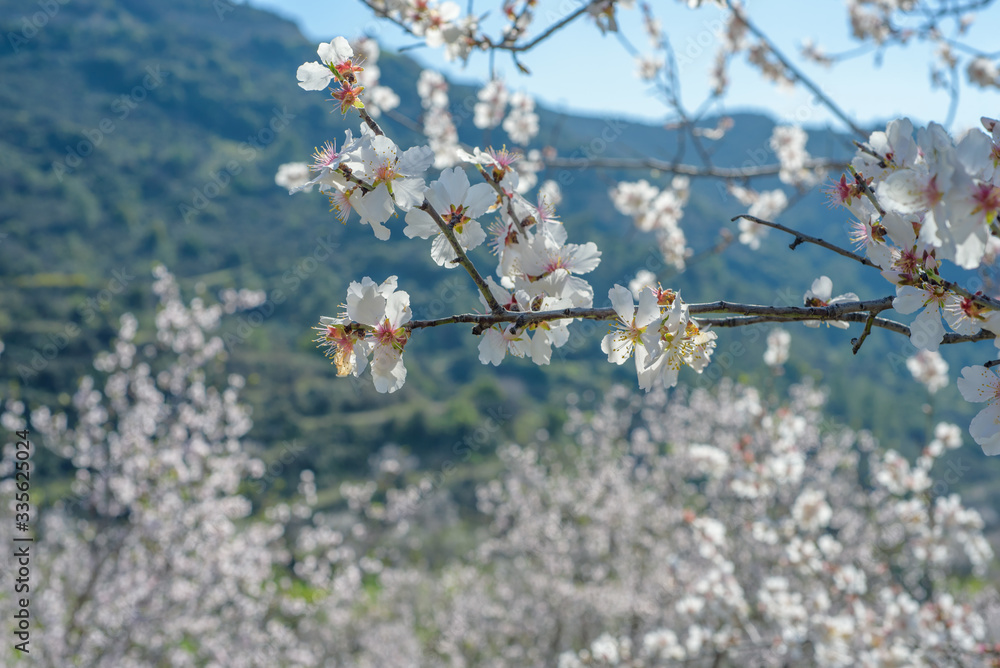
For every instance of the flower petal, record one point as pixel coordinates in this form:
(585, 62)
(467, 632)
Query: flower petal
(977, 383)
(909, 299)
(621, 301)
(313, 76)
(985, 429)
(420, 224)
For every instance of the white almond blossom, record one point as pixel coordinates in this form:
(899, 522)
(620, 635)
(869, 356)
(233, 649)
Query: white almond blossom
(631, 323)
(316, 76)
(293, 176)
(397, 181)
(521, 124)
(384, 312)
(459, 205)
(820, 295)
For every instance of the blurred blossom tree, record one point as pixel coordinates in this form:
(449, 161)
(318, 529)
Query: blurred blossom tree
(924, 203)
(702, 528)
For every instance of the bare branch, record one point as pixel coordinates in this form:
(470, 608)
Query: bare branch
(795, 72)
(891, 325)
(734, 173)
(801, 237)
(753, 313)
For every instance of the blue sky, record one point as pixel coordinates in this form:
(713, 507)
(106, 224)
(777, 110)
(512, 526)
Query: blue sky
(582, 71)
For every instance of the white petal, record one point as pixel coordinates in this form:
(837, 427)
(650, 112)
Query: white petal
(822, 288)
(397, 308)
(453, 184)
(420, 224)
(977, 383)
(382, 233)
(442, 253)
(360, 357)
(616, 347)
(416, 160)
(541, 349)
(313, 76)
(621, 301)
(388, 371)
(336, 52)
(985, 429)
(909, 299)
(374, 207)
(501, 295)
(479, 199)
(846, 297)
(927, 330)
(900, 230)
(586, 258)
(408, 192)
(472, 235)
(492, 347)
(903, 191)
(369, 309)
(649, 309)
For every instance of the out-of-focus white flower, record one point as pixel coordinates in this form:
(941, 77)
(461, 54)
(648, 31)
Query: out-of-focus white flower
(489, 111)
(293, 175)
(811, 511)
(778, 342)
(930, 369)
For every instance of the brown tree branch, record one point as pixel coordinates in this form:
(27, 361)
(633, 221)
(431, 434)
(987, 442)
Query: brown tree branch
(800, 237)
(462, 258)
(732, 173)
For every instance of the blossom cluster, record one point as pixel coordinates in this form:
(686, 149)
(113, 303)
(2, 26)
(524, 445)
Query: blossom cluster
(919, 201)
(661, 334)
(537, 268)
(659, 211)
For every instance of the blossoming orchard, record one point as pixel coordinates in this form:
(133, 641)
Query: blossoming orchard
(924, 203)
(708, 526)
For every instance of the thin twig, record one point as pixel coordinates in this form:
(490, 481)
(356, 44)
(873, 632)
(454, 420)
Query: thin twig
(548, 32)
(503, 198)
(801, 237)
(864, 335)
(369, 121)
(735, 173)
(803, 79)
(865, 188)
(883, 323)
(983, 300)
(745, 315)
